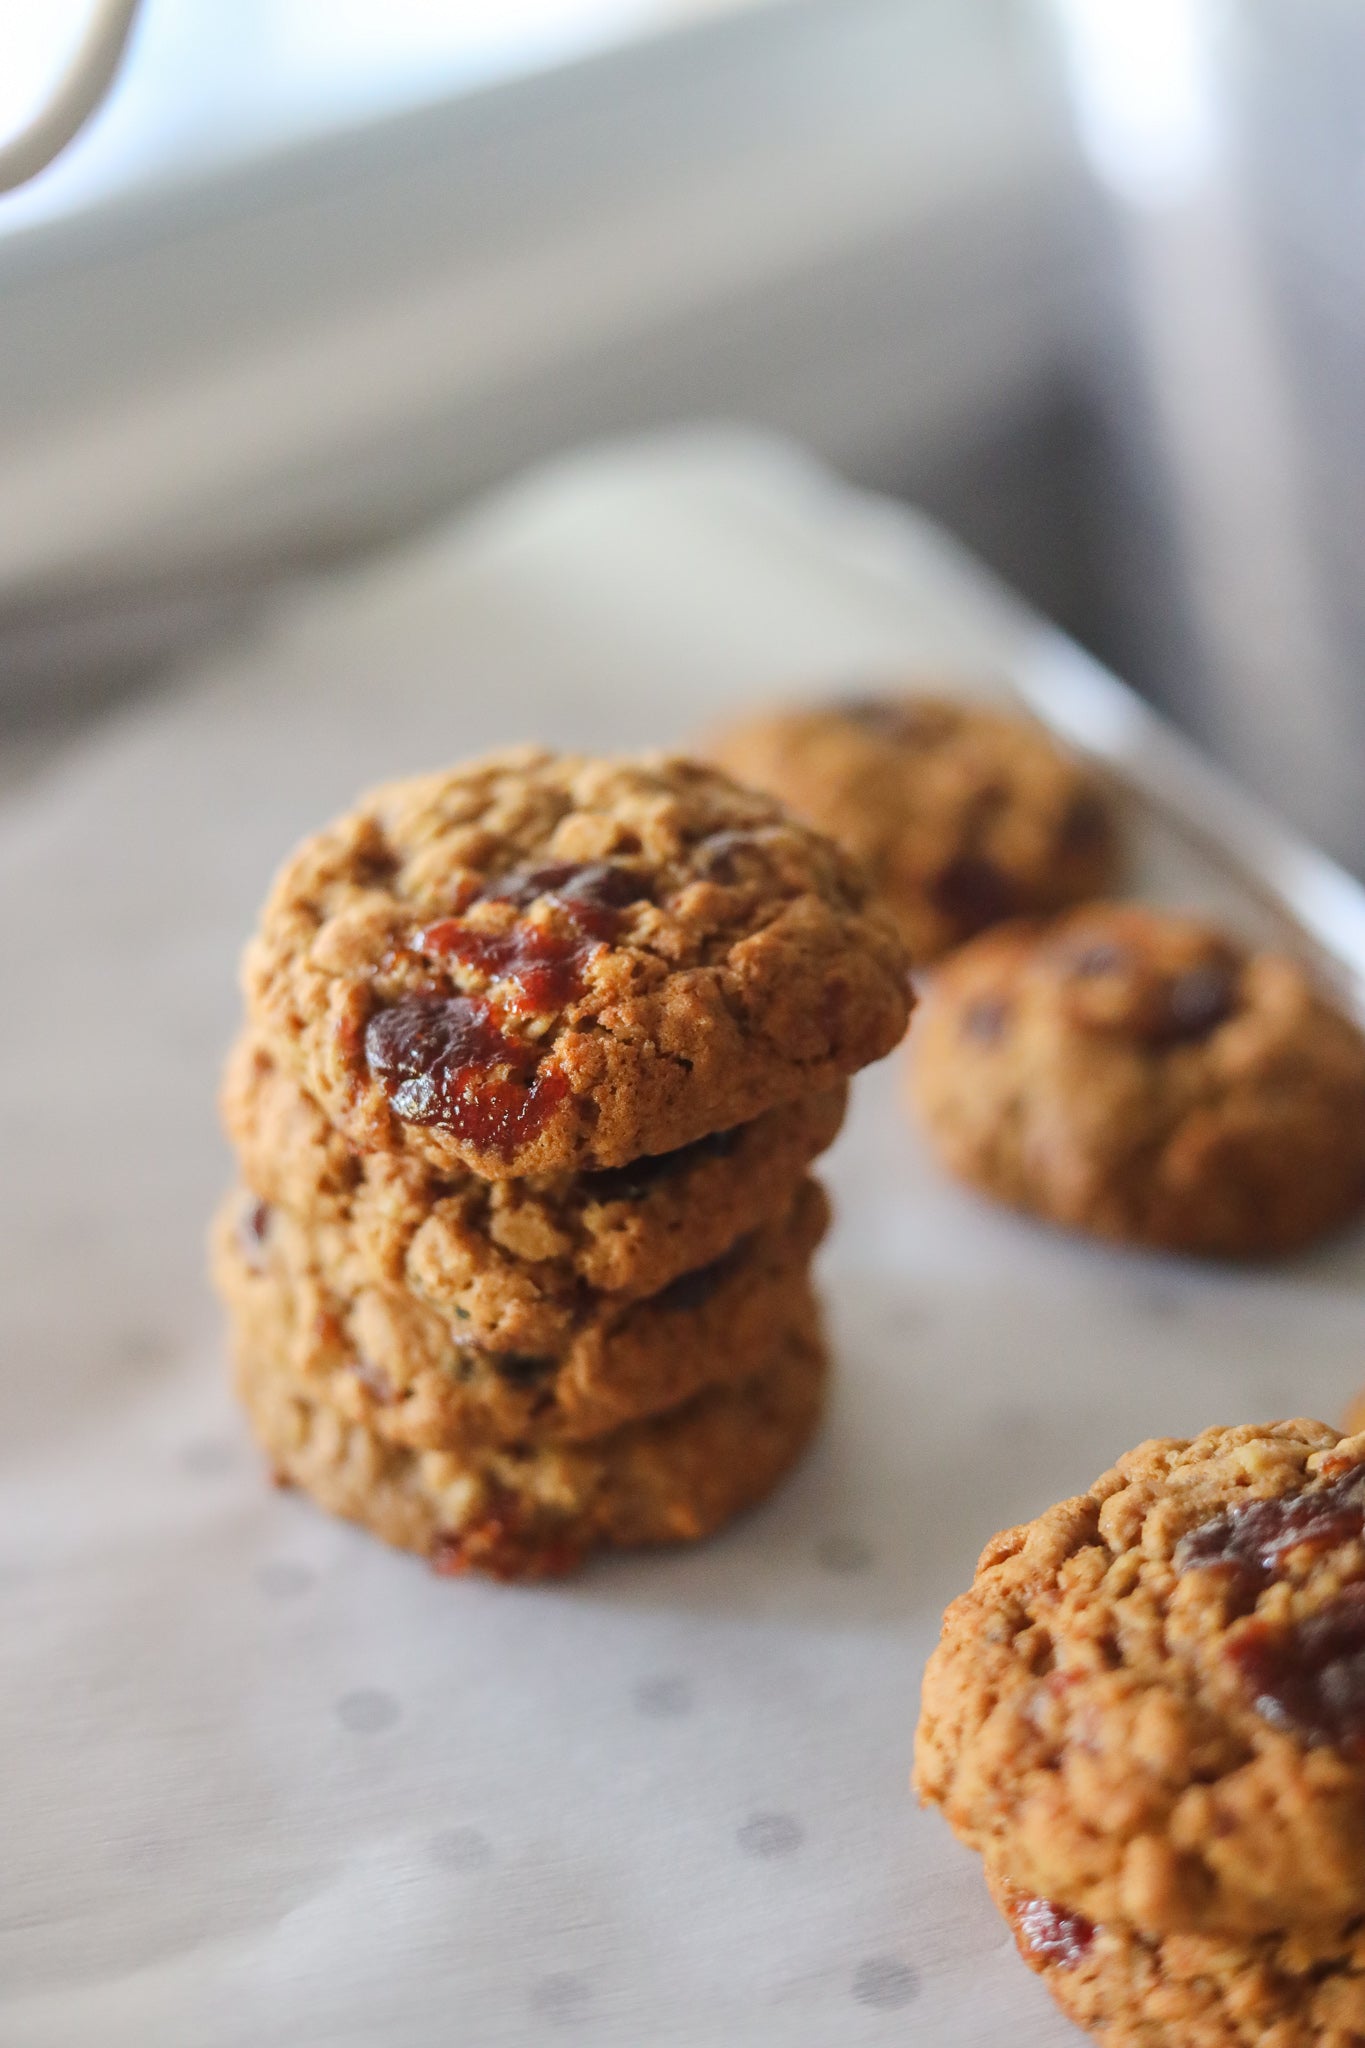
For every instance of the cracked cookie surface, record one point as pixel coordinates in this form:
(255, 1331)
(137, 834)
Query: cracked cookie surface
(963, 815)
(414, 1376)
(1150, 1706)
(524, 1510)
(537, 964)
(516, 1263)
(1298, 1988)
(1139, 1075)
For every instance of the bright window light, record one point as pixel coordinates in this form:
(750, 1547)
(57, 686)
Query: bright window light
(1144, 104)
(209, 82)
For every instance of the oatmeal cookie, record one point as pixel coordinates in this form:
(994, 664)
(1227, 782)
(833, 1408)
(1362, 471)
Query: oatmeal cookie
(963, 815)
(1151, 1703)
(527, 1511)
(393, 1362)
(1296, 1988)
(1138, 1075)
(515, 1263)
(538, 964)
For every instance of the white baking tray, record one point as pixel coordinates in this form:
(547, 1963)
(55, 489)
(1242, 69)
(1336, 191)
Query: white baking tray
(268, 1785)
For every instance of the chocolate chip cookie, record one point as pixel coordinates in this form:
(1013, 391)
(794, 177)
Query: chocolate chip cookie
(1125, 1071)
(520, 1510)
(1149, 1709)
(539, 964)
(963, 815)
(516, 1263)
(389, 1358)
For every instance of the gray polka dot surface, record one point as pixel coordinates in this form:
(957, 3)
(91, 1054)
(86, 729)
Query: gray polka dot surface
(666, 1698)
(272, 1783)
(367, 1711)
(282, 1579)
(885, 1983)
(464, 1849)
(770, 1834)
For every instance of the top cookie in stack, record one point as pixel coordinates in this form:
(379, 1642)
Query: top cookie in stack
(538, 1053)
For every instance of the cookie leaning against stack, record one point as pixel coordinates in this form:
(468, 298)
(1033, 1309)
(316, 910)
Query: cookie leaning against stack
(963, 815)
(538, 1054)
(1148, 1713)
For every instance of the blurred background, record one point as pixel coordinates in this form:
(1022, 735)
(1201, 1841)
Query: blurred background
(1084, 278)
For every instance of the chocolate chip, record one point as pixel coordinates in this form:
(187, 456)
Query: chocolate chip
(596, 884)
(972, 892)
(986, 1020)
(1084, 827)
(1100, 956)
(520, 1368)
(1197, 1002)
(722, 856)
(907, 721)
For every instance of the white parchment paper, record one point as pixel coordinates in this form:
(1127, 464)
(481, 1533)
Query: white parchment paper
(267, 1785)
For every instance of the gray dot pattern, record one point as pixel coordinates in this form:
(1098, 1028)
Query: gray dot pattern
(771, 1835)
(142, 1348)
(367, 1711)
(209, 1456)
(666, 1697)
(282, 1579)
(461, 1849)
(885, 1983)
(844, 1555)
(561, 1999)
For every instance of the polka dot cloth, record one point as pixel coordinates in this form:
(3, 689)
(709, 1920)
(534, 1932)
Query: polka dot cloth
(269, 1784)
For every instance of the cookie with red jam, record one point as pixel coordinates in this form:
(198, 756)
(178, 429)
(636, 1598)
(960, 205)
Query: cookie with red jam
(1300, 1987)
(514, 1264)
(1149, 1709)
(540, 964)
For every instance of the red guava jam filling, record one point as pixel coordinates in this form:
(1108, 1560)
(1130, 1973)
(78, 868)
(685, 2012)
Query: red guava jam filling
(1254, 1539)
(1309, 1678)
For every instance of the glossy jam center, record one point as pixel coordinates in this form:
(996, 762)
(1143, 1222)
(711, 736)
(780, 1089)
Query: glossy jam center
(446, 1061)
(536, 966)
(449, 1061)
(1309, 1678)
(1253, 1540)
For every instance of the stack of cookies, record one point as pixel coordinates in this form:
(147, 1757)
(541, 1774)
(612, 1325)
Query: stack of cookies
(538, 1054)
(1148, 1713)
